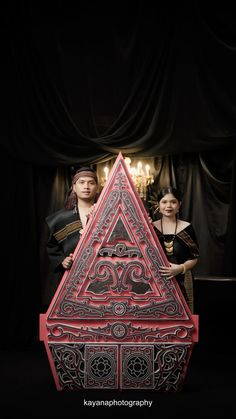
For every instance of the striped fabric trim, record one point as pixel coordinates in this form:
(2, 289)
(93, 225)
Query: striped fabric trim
(188, 284)
(190, 243)
(67, 230)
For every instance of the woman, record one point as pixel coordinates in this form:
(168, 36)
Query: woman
(178, 240)
(66, 225)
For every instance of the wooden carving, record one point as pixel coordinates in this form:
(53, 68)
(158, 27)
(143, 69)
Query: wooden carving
(114, 321)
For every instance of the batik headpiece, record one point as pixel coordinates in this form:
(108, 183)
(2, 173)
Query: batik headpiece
(85, 171)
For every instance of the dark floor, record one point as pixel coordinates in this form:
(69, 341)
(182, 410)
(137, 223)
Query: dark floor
(28, 389)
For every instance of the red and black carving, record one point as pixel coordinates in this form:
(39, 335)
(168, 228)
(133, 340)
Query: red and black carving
(113, 309)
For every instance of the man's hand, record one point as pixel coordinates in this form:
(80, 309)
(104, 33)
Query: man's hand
(67, 262)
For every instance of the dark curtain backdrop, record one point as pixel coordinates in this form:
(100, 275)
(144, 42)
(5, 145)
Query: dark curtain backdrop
(84, 81)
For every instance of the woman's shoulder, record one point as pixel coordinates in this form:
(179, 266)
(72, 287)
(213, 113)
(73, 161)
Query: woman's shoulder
(187, 228)
(157, 224)
(182, 225)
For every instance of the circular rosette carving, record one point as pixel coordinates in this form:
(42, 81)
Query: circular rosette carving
(119, 330)
(119, 309)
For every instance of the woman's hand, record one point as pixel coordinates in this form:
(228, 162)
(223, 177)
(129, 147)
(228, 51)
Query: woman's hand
(67, 262)
(172, 270)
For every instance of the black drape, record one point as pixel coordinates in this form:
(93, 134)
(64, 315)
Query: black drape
(83, 82)
(91, 79)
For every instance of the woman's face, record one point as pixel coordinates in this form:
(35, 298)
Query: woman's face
(169, 205)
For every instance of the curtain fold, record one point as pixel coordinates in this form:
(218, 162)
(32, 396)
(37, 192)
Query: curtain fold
(87, 82)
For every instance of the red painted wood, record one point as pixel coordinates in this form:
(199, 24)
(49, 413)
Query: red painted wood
(114, 321)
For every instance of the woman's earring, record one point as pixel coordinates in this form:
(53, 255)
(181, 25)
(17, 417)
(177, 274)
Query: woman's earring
(156, 210)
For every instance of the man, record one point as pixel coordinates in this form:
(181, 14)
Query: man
(66, 225)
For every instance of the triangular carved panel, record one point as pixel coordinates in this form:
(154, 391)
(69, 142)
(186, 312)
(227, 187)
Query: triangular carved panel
(116, 263)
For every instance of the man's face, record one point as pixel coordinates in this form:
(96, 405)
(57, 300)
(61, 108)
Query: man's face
(85, 188)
